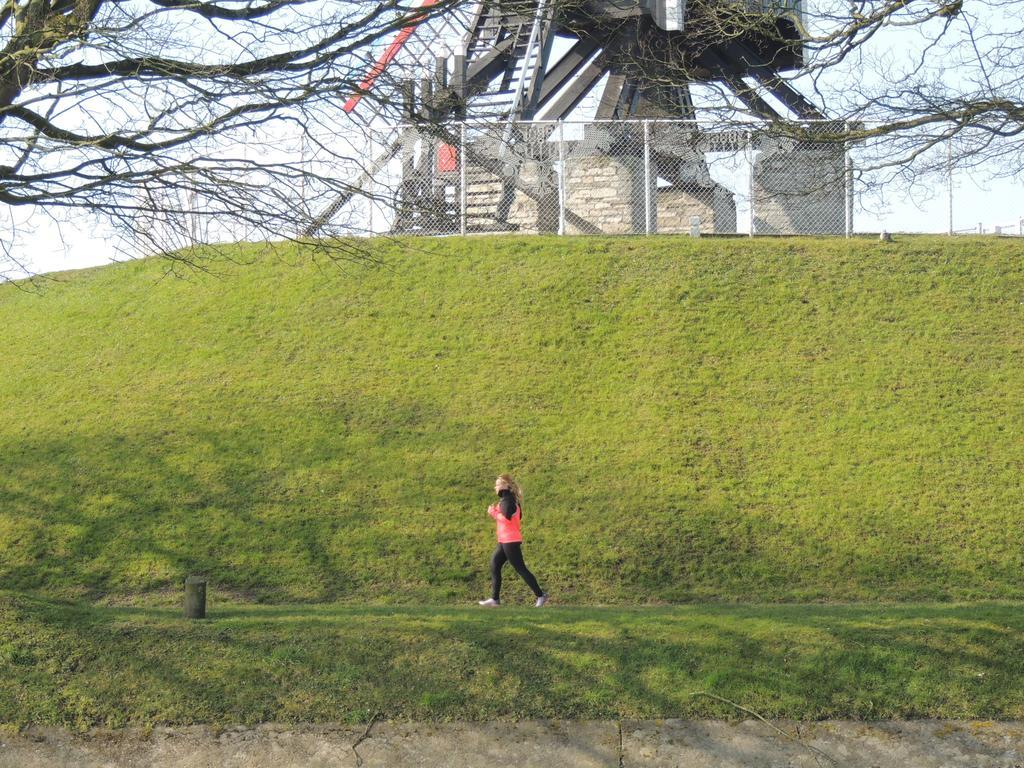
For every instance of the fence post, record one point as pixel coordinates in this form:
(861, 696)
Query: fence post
(949, 179)
(370, 187)
(462, 178)
(750, 184)
(307, 166)
(561, 177)
(647, 177)
(370, 202)
(195, 597)
(848, 163)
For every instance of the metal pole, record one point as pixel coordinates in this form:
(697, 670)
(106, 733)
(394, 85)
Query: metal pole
(848, 160)
(462, 178)
(561, 177)
(750, 184)
(370, 201)
(369, 189)
(306, 165)
(949, 179)
(647, 177)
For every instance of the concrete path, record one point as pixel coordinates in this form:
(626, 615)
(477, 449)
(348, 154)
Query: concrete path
(629, 744)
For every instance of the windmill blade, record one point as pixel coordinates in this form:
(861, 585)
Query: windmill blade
(387, 57)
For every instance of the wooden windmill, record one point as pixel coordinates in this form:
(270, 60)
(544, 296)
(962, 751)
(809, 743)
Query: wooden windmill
(527, 60)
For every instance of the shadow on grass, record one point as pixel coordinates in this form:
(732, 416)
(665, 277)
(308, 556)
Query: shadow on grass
(123, 514)
(343, 664)
(287, 507)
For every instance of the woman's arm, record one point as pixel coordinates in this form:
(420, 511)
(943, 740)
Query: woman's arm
(507, 505)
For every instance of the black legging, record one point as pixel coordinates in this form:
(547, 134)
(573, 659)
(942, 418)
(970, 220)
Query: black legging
(513, 553)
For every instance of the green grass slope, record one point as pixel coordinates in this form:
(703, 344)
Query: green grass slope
(79, 666)
(770, 420)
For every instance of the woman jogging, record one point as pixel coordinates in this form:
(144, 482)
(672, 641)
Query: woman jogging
(508, 513)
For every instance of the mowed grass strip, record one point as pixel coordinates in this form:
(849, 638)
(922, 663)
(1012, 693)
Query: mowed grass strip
(736, 420)
(82, 666)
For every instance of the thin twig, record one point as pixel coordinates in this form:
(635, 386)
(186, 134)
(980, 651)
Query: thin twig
(814, 750)
(357, 742)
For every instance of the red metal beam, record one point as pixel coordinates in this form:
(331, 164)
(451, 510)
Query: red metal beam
(382, 63)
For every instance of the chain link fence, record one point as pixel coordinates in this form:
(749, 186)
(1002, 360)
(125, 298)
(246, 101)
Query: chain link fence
(617, 177)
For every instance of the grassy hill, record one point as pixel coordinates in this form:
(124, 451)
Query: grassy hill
(79, 666)
(768, 420)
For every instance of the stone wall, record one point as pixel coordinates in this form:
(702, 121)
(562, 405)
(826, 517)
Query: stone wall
(800, 191)
(715, 205)
(797, 189)
(533, 216)
(530, 214)
(604, 191)
(609, 192)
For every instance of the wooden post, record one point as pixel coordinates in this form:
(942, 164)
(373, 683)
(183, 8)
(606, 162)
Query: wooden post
(408, 91)
(195, 597)
(440, 73)
(426, 99)
(459, 85)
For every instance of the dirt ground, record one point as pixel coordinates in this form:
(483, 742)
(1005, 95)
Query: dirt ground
(611, 744)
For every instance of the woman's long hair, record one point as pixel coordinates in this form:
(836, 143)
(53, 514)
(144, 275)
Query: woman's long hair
(506, 481)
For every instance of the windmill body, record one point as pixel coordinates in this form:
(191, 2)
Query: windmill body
(640, 57)
(524, 65)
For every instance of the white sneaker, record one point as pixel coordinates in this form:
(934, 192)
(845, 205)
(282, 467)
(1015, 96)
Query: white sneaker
(490, 602)
(540, 601)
